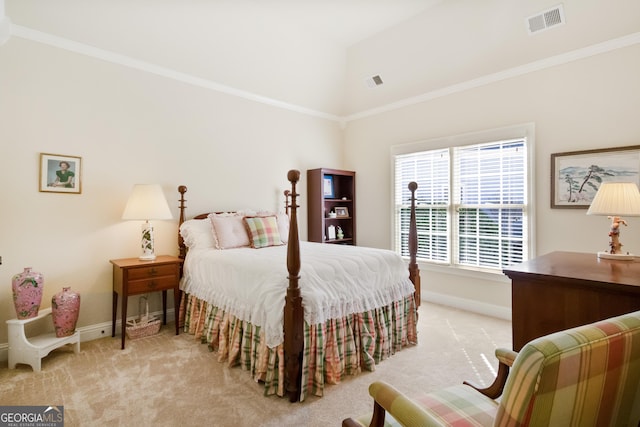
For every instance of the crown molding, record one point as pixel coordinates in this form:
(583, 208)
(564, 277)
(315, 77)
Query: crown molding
(127, 61)
(564, 58)
(552, 61)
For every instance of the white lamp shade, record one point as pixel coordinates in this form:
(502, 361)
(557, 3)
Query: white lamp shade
(616, 199)
(147, 202)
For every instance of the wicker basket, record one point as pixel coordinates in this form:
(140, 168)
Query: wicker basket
(145, 326)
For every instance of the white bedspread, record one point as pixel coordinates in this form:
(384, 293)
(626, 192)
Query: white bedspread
(335, 281)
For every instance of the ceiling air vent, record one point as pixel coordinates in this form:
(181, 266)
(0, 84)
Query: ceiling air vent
(545, 20)
(373, 81)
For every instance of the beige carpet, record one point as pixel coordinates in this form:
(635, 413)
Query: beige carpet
(168, 380)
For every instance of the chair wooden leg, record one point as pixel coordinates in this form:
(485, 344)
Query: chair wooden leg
(377, 420)
(495, 389)
(378, 416)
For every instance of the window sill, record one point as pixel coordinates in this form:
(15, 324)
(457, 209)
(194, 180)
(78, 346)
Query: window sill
(476, 273)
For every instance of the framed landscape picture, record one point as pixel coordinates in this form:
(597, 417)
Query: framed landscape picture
(60, 173)
(577, 175)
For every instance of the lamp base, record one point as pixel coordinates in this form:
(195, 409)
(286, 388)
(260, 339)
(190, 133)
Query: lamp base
(148, 252)
(619, 257)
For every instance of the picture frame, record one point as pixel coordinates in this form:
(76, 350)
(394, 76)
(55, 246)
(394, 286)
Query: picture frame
(60, 173)
(341, 212)
(327, 187)
(577, 175)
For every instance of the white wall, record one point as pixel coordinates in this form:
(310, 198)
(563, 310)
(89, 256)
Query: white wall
(584, 104)
(129, 127)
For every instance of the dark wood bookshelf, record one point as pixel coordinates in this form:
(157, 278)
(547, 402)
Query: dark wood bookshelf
(326, 197)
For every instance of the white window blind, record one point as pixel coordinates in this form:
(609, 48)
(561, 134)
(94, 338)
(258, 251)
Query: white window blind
(490, 203)
(471, 203)
(430, 169)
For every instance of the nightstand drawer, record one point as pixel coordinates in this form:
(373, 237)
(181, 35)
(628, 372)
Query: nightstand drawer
(152, 271)
(150, 285)
(133, 276)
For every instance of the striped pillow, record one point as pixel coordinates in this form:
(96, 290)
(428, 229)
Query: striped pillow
(263, 231)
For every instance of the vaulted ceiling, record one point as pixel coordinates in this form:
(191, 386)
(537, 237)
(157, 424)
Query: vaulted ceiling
(317, 54)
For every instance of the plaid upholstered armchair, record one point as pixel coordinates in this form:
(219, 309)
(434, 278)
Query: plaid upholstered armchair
(585, 376)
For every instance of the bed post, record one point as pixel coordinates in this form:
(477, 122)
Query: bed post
(287, 194)
(183, 249)
(293, 313)
(414, 271)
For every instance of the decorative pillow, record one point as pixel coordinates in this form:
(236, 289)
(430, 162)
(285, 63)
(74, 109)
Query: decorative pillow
(283, 223)
(283, 227)
(198, 233)
(263, 231)
(230, 231)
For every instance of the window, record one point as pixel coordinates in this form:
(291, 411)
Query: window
(472, 205)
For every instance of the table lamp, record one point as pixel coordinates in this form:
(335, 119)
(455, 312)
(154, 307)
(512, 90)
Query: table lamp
(616, 199)
(147, 202)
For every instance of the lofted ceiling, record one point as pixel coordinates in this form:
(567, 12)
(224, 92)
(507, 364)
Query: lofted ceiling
(316, 55)
(289, 50)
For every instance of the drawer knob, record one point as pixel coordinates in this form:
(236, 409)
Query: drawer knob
(153, 271)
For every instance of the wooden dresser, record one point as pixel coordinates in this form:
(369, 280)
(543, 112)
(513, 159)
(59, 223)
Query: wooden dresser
(562, 290)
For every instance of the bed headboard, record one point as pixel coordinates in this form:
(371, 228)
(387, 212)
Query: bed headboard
(182, 189)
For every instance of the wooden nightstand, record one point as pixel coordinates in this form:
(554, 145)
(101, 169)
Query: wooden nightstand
(132, 276)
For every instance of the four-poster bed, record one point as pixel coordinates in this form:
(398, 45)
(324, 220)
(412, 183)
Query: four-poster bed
(297, 334)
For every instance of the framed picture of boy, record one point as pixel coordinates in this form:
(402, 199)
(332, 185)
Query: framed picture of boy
(60, 173)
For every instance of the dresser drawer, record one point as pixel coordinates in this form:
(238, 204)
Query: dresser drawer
(152, 271)
(150, 285)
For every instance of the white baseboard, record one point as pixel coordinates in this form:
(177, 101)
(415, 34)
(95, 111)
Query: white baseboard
(92, 332)
(468, 305)
(101, 330)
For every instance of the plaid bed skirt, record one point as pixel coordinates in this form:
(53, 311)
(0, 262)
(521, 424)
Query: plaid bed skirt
(333, 349)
